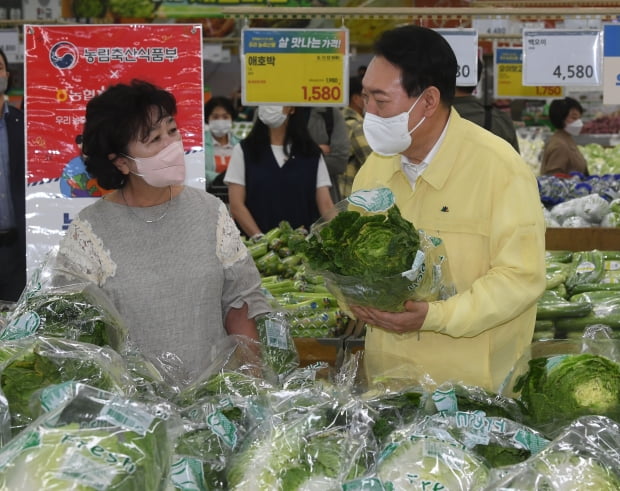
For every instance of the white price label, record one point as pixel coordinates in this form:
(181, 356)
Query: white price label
(561, 57)
(464, 43)
(611, 64)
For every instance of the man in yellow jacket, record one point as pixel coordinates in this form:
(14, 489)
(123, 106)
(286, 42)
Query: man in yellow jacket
(452, 179)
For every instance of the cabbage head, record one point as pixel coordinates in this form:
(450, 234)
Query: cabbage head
(430, 463)
(559, 389)
(367, 246)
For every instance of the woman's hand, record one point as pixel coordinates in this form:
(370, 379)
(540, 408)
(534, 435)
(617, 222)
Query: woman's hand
(399, 322)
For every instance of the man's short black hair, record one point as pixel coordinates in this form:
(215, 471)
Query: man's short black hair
(9, 82)
(355, 86)
(424, 57)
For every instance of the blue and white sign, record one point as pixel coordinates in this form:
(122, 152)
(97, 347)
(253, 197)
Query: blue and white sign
(611, 64)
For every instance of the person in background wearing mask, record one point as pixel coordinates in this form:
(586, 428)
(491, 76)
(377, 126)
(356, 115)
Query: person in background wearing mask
(219, 139)
(12, 193)
(354, 118)
(471, 189)
(169, 256)
(561, 154)
(277, 173)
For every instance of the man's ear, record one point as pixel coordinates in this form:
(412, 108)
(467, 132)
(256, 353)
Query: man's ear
(431, 100)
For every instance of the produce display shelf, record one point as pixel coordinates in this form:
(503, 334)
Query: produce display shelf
(313, 350)
(582, 239)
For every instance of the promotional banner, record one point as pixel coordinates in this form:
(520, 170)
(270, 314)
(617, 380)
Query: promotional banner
(65, 67)
(295, 67)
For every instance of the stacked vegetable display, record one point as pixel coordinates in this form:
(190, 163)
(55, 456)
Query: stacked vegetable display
(583, 290)
(75, 415)
(313, 311)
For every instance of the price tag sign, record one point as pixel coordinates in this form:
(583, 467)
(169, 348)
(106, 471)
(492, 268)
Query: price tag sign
(611, 64)
(295, 67)
(561, 57)
(464, 43)
(509, 80)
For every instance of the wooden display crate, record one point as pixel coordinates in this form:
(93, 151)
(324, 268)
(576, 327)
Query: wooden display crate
(582, 239)
(312, 350)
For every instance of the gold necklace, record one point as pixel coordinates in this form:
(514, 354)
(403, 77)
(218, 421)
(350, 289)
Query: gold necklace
(143, 219)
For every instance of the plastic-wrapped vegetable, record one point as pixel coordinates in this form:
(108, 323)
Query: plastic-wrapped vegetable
(94, 441)
(79, 311)
(214, 428)
(43, 362)
(277, 345)
(419, 462)
(370, 255)
(569, 380)
(584, 456)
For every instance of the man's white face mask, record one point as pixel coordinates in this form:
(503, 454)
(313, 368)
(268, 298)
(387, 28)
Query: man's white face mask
(390, 136)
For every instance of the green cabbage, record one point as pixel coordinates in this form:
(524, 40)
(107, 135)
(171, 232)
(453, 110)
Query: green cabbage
(559, 389)
(430, 463)
(90, 444)
(362, 258)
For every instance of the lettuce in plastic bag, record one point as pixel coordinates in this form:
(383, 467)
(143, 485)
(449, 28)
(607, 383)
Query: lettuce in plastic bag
(95, 441)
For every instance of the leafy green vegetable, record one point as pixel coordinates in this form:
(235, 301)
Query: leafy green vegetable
(87, 445)
(393, 410)
(562, 470)
(278, 348)
(46, 362)
(559, 389)
(430, 463)
(274, 460)
(83, 316)
(366, 255)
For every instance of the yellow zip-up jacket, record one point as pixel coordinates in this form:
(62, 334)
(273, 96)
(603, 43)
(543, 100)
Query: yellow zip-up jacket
(482, 200)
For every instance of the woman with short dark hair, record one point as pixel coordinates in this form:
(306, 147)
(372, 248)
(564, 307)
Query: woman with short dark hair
(561, 154)
(168, 255)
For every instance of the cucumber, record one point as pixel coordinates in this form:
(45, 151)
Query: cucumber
(552, 306)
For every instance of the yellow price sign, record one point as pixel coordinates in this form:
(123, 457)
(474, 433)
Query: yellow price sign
(294, 67)
(509, 78)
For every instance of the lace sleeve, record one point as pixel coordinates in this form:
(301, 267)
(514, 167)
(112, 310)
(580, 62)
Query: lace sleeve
(230, 247)
(83, 254)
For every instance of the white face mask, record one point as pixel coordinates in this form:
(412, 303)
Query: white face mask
(4, 83)
(167, 168)
(272, 116)
(574, 128)
(220, 127)
(390, 136)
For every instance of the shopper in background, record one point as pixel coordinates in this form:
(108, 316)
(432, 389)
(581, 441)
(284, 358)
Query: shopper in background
(169, 256)
(453, 180)
(12, 193)
(328, 129)
(485, 115)
(354, 118)
(219, 142)
(277, 173)
(561, 154)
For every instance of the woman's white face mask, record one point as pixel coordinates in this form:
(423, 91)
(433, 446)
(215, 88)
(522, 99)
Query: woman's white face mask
(390, 136)
(574, 127)
(272, 116)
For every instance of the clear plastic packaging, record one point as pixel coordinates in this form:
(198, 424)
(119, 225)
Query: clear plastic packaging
(584, 456)
(93, 440)
(369, 255)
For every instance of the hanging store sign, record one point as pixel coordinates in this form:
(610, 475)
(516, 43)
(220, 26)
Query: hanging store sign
(294, 67)
(562, 57)
(509, 81)
(611, 64)
(66, 66)
(464, 43)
